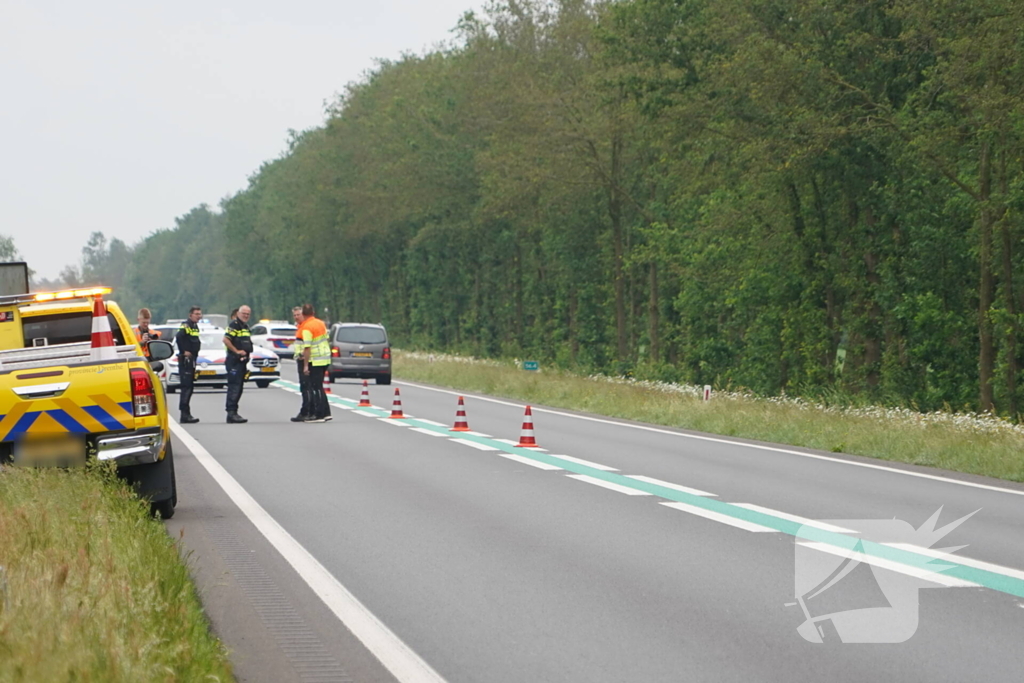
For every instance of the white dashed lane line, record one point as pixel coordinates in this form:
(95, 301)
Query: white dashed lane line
(587, 463)
(428, 432)
(719, 517)
(795, 518)
(608, 485)
(669, 485)
(474, 444)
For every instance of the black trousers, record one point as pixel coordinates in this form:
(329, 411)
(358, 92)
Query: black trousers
(187, 375)
(236, 382)
(318, 403)
(304, 388)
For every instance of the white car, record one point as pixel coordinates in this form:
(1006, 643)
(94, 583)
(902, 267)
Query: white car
(264, 365)
(274, 335)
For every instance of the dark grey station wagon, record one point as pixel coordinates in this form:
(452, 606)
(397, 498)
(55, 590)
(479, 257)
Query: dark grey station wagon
(360, 350)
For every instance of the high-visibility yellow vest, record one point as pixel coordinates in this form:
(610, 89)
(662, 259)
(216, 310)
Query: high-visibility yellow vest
(314, 335)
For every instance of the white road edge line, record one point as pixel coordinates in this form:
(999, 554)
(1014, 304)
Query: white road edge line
(934, 577)
(713, 439)
(719, 517)
(670, 485)
(608, 485)
(958, 559)
(367, 413)
(431, 422)
(393, 421)
(396, 656)
(796, 518)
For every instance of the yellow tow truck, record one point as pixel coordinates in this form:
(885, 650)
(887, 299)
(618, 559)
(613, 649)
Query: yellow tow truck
(63, 401)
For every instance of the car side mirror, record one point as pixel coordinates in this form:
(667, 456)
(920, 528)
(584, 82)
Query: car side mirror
(159, 350)
(157, 366)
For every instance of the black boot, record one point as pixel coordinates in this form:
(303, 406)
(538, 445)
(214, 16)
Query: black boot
(299, 418)
(236, 419)
(187, 419)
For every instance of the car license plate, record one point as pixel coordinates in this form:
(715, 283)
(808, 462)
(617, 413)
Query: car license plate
(54, 451)
(361, 354)
(267, 369)
(207, 373)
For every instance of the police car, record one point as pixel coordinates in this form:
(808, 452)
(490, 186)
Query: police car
(264, 365)
(276, 335)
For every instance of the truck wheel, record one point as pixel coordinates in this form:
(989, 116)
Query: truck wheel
(262, 383)
(165, 508)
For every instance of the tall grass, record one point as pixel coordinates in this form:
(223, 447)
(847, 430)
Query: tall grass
(92, 589)
(965, 443)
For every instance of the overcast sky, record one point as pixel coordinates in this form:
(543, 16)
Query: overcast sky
(119, 116)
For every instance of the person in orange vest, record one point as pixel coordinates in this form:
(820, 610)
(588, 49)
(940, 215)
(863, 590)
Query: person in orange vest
(316, 358)
(142, 332)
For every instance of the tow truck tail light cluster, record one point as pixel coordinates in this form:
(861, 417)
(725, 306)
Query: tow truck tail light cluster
(143, 398)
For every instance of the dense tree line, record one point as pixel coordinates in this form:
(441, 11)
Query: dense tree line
(775, 194)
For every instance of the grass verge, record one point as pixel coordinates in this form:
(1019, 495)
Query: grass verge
(971, 444)
(92, 588)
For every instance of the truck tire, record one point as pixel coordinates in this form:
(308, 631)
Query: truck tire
(263, 383)
(156, 483)
(165, 508)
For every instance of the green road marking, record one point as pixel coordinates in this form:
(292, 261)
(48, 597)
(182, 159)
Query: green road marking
(993, 580)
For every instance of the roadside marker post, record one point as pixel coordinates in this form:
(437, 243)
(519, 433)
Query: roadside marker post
(707, 392)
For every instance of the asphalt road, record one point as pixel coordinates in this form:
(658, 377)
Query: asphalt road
(485, 567)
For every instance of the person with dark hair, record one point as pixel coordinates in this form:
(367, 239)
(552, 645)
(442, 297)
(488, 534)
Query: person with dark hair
(188, 343)
(238, 340)
(316, 357)
(234, 314)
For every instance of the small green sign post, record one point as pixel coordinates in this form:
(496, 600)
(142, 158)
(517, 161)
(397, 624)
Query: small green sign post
(531, 365)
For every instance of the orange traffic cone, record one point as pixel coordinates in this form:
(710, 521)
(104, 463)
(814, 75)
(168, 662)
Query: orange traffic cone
(327, 383)
(396, 407)
(526, 439)
(460, 418)
(364, 400)
(102, 337)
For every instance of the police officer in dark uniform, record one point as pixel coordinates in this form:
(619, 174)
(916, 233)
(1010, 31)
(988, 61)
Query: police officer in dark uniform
(238, 339)
(187, 340)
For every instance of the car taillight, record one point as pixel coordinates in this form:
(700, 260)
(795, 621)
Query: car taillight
(143, 398)
(335, 352)
(387, 353)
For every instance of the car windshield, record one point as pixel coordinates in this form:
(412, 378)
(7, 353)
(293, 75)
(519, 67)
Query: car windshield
(211, 340)
(361, 335)
(283, 331)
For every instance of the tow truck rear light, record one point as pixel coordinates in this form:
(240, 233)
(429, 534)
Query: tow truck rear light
(387, 353)
(143, 398)
(335, 352)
